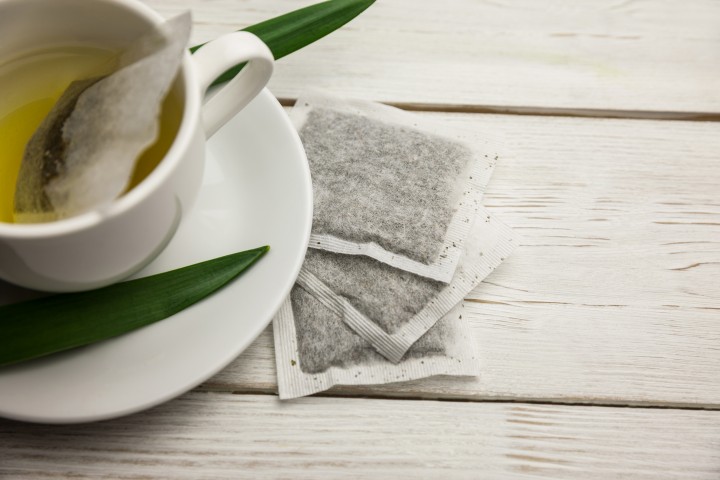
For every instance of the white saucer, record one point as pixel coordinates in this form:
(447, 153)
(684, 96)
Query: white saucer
(256, 192)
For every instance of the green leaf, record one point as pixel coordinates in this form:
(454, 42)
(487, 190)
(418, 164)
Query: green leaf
(291, 32)
(51, 324)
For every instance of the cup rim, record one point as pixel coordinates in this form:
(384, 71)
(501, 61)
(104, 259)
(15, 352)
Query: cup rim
(157, 177)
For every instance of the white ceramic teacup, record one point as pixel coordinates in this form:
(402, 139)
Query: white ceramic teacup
(101, 247)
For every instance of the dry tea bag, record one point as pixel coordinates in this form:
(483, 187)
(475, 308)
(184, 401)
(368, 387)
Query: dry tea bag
(83, 155)
(391, 308)
(315, 350)
(391, 185)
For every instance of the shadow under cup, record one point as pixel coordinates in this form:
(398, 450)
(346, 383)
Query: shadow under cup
(101, 247)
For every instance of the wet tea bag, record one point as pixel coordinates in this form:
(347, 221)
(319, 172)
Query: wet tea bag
(391, 308)
(83, 155)
(315, 350)
(394, 186)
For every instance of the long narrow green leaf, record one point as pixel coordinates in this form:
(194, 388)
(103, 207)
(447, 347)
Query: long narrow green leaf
(47, 325)
(290, 32)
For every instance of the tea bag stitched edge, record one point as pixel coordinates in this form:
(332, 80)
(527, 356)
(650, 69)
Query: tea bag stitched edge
(394, 345)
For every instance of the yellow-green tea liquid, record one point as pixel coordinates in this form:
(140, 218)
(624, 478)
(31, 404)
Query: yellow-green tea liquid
(29, 87)
(16, 129)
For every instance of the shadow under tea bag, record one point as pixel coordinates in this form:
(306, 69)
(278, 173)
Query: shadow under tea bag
(83, 155)
(391, 308)
(315, 350)
(394, 186)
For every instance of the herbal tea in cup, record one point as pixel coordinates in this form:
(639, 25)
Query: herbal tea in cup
(32, 84)
(69, 225)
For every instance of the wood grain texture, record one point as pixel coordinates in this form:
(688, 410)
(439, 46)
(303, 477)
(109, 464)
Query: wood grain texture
(608, 54)
(245, 436)
(613, 298)
(614, 295)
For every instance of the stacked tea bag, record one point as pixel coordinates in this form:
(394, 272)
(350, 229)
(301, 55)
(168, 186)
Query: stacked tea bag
(399, 238)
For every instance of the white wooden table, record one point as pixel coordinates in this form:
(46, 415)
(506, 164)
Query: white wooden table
(599, 337)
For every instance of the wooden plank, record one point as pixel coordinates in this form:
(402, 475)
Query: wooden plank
(246, 436)
(626, 55)
(614, 295)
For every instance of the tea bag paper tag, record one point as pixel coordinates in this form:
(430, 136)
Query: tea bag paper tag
(110, 124)
(394, 186)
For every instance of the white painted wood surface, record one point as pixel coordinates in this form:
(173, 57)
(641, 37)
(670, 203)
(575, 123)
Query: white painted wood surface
(603, 54)
(614, 297)
(212, 436)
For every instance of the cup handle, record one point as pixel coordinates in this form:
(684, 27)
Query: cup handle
(221, 54)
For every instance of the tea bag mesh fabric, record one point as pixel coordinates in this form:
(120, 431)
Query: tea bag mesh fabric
(391, 308)
(315, 350)
(83, 155)
(390, 185)
(382, 183)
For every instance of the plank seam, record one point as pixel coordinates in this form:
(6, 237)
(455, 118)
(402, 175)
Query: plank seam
(209, 388)
(548, 111)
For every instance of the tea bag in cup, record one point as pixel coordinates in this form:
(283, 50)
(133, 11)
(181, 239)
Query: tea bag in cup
(315, 350)
(83, 155)
(391, 308)
(394, 186)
